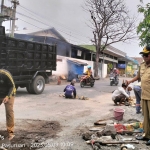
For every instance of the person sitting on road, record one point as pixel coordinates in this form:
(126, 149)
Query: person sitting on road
(120, 95)
(70, 90)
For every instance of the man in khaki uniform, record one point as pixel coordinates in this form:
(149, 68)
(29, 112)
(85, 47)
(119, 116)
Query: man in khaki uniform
(7, 93)
(144, 74)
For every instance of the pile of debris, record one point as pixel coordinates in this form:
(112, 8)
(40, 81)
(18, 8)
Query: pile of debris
(109, 133)
(130, 102)
(77, 97)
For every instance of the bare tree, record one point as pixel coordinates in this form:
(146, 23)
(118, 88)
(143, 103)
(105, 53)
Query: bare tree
(111, 23)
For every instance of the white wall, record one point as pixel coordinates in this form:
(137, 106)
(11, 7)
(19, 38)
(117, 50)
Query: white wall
(104, 72)
(62, 67)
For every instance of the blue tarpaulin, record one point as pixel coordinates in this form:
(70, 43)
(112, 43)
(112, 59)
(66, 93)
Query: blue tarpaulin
(75, 68)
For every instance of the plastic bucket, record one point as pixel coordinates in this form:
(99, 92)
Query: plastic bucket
(118, 113)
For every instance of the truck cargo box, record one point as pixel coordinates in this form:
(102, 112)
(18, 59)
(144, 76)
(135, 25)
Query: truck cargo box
(26, 60)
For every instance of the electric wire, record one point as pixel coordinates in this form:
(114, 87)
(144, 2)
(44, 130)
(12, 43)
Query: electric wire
(48, 26)
(44, 29)
(38, 15)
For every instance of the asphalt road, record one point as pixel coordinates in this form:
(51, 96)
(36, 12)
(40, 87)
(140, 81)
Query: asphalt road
(74, 116)
(102, 85)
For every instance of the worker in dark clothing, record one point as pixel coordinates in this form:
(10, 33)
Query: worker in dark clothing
(7, 93)
(70, 91)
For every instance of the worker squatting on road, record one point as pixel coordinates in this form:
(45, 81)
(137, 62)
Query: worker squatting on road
(7, 95)
(70, 90)
(144, 75)
(122, 94)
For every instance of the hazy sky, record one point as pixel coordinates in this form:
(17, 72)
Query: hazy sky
(68, 17)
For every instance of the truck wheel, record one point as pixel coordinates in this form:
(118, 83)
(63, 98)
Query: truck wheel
(92, 84)
(111, 83)
(29, 88)
(38, 85)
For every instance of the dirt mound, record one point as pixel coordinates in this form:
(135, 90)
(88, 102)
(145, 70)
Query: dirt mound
(31, 133)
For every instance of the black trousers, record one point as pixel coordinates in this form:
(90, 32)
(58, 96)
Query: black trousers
(120, 98)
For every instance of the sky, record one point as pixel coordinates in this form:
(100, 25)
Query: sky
(69, 18)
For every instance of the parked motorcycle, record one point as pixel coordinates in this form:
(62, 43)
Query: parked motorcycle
(114, 79)
(87, 81)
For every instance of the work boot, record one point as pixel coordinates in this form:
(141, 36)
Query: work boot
(11, 136)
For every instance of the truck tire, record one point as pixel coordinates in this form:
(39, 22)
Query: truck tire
(111, 83)
(29, 88)
(38, 85)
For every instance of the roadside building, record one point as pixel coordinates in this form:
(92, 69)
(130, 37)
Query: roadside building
(139, 59)
(127, 66)
(79, 55)
(110, 56)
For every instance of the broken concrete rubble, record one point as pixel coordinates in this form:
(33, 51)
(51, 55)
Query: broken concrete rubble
(113, 134)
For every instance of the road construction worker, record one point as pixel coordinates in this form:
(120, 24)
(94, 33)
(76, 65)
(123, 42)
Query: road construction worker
(70, 90)
(121, 94)
(7, 93)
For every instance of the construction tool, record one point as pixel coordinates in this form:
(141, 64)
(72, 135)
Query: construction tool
(112, 142)
(128, 132)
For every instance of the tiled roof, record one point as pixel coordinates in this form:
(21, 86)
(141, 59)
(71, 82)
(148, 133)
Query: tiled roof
(108, 48)
(51, 32)
(139, 59)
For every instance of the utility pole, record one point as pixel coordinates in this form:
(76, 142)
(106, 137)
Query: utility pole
(15, 2)
(1, 19)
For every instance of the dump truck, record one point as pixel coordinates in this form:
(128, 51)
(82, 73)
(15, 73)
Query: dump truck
(30, 63)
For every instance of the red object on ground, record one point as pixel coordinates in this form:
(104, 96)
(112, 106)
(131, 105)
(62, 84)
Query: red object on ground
(119, 127)
(58, 81)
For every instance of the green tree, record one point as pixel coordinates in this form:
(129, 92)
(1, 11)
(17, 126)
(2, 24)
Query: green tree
(143, 29)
